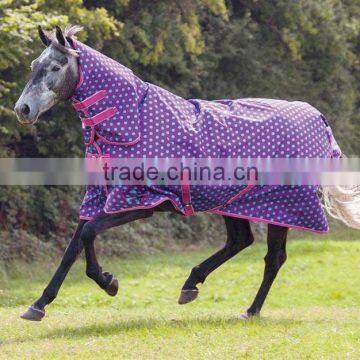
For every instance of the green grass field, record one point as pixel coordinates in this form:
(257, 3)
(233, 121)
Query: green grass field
(312, 312)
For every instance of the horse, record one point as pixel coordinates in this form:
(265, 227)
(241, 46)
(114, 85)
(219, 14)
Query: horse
(61, 72)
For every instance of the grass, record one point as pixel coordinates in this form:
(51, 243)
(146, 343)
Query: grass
(312, 311)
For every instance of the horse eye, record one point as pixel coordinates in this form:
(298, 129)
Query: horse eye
(55, 68)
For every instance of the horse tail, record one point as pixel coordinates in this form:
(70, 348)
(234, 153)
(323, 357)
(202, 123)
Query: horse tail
(343, 203)
(340, 201)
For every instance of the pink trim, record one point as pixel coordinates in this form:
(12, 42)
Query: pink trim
(235, 197)
(130, 143)
(254, 219)
(98, 148)
(86, 113)
(97, 156)
(148, 207)
(92, 137)
(91, 100)
(99, 118)
(79, 83)
(241, 193)
(73, 43)
(86, 218)
(185, 193)
(215, 212)
(81, 77)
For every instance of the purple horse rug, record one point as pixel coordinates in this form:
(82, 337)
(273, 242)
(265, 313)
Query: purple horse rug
(125, 117)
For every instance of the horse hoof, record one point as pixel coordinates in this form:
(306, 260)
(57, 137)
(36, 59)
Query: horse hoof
(113, 287)
(33, 314)
(244, 316)
(187, 296)
(247, 316)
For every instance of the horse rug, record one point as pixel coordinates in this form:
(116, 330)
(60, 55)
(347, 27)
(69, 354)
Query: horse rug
(125, 117)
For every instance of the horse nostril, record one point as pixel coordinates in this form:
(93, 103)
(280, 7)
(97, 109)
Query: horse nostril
(25, 109)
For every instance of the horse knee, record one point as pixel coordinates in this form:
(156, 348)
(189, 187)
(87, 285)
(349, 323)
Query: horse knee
(282, 257)
(273, 262)
(234, 247)
(240, 242)
(87, 233)
(249, 239)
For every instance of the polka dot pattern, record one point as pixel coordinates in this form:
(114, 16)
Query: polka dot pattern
(157, 123)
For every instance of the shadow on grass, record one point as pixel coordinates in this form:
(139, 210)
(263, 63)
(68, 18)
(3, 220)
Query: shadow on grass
(164, 325)
(118, 327)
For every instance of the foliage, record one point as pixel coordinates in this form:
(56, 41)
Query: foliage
(302, 50)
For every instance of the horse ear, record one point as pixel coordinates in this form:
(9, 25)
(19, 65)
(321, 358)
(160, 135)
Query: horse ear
(44, 38)
(60, 36)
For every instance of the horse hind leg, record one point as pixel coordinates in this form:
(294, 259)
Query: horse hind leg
(239, 236)
(274, 259)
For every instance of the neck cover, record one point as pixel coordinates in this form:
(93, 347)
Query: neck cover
(107, 98)
(124, 117)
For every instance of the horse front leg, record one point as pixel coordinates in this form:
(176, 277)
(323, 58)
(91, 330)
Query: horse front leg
(105, 280)
(37, 311)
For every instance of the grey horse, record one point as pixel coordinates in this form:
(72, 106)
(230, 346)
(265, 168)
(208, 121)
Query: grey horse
(54, 75)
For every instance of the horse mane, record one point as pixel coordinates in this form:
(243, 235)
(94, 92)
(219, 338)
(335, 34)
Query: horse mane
(69, 32)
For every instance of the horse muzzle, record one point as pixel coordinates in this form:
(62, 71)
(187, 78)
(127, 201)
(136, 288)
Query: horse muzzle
(25, 114)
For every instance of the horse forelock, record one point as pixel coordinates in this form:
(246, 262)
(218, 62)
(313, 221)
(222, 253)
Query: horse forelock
(69, 32)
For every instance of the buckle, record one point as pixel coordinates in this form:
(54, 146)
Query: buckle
(189, 210)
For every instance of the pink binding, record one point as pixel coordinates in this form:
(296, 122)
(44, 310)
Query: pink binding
(81, 77)
(241, 193)
(117, 143)
(260, 220)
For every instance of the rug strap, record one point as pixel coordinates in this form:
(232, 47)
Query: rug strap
(91, 100)
(186, 195)
(99, 118)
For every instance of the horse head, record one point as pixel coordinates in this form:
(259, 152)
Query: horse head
(54, 75)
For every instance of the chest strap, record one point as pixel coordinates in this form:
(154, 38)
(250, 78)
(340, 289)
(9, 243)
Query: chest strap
(99, 118)
(91, 100)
